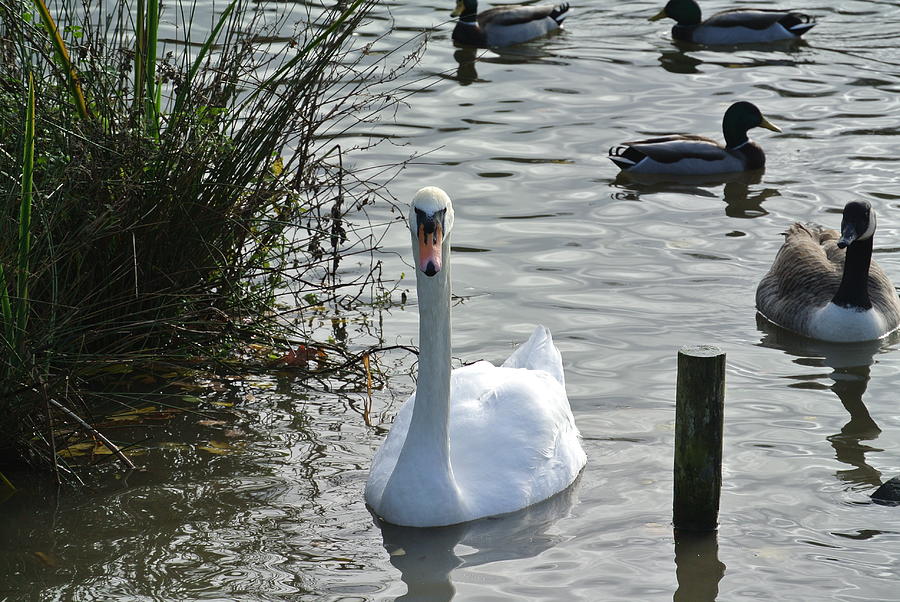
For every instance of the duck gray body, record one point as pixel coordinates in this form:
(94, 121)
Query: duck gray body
(686, 154)
(734, 26)
(824, 285)
(505, 25)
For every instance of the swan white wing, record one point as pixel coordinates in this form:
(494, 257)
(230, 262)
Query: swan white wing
(386, 457)
(538, 353)
(513, 439)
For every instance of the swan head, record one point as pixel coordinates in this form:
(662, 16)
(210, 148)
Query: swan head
(858, 223)
(430, 222)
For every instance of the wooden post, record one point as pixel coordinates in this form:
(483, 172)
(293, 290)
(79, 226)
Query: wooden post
(699, 412)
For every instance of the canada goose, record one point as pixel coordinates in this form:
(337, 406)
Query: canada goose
(688, 154)
(734, 26)
(479, 440)
(824, 285)
(505, 25)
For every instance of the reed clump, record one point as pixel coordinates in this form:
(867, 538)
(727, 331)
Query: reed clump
(182, 198)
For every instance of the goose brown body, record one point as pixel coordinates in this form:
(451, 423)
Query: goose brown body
(805, 287)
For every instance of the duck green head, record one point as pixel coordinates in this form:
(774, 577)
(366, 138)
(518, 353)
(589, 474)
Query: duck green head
(740, 117)
(465, 8)
(685, 12)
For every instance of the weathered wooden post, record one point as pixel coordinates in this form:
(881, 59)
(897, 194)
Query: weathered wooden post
(699, 413)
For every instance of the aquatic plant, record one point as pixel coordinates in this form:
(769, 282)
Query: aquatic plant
(184, 201)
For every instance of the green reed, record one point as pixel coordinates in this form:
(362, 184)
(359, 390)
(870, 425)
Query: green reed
(184, 198)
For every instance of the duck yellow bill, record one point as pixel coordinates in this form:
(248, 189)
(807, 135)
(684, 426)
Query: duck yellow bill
(458, 10)
(660, 15)
(430, 262)
(769, 125)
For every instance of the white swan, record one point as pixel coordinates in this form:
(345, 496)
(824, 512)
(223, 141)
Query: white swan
(480, 440)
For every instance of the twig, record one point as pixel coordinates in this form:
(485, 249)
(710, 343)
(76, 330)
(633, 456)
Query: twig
(109, 444)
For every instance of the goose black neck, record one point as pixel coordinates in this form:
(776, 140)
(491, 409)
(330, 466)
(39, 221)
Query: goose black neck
(854, 289)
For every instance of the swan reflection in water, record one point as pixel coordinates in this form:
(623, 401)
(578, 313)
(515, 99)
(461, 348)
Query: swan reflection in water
(850, 365)
(427, 557)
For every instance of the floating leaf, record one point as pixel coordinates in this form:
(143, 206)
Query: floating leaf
(7, 489)
(89, 448)
(48, 560)
(130, 413)
(218, 447)
(188, 386)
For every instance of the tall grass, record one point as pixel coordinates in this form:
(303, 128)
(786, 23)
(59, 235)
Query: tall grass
(178, 189)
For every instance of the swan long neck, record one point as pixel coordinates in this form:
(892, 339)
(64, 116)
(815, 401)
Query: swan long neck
(854, 288)
(431, 413)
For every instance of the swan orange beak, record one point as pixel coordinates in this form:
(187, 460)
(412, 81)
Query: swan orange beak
(430, 249)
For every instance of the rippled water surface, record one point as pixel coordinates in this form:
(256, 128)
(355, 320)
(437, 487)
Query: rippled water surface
(624, 273)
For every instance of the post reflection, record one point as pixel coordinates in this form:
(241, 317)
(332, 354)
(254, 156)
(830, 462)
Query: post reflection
(697, 566)
(426, 558)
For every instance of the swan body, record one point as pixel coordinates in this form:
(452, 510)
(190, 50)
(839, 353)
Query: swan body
(505, 25)
(479, 440)
(685, 154)
(734, 26)
(824, 285)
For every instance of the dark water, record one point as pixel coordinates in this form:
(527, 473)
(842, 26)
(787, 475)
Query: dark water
(624, 273)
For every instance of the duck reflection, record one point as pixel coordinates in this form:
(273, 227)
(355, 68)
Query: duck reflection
(465, 70)
(850, 365)
(742, 199)
(426, 557)
(698, 568)
(679, 59)
(467, 57)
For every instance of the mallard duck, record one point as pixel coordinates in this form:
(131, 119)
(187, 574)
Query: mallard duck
(479, 440)
(734, 26)
(505, 25)
(824, 284)
(688, 154)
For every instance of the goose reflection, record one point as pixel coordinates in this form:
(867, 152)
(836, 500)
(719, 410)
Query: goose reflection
(850, 365)
(427, 557)
(742, 199)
